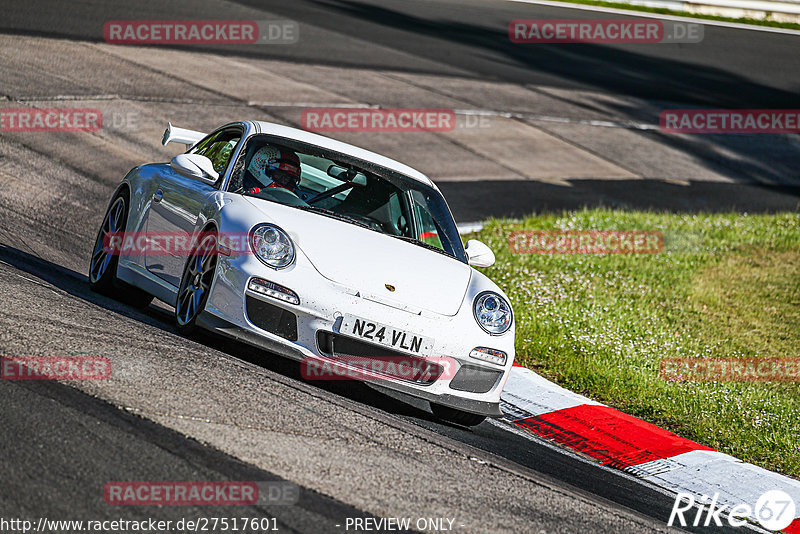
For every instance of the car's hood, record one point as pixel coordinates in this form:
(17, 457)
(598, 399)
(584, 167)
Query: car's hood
(367, 261)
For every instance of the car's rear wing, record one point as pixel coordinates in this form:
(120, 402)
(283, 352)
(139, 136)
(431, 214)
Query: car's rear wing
(181, 135)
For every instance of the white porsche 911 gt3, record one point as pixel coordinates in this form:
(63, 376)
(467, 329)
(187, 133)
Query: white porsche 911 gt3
(315, 250)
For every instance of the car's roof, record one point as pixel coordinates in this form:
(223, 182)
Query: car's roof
(344, 148)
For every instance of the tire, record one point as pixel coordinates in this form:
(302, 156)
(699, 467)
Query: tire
(198, 274)
(457, 417)
(103, 264)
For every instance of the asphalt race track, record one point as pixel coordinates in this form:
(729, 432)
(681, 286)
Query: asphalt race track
(210, 409)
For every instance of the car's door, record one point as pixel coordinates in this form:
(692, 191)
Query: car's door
(178, 200)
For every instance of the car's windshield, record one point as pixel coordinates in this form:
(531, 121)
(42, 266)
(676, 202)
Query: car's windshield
(339, 186)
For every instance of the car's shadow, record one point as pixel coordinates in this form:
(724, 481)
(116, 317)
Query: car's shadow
(160, 316)
(539, 457)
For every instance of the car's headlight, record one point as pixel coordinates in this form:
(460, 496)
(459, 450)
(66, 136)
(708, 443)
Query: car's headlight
(272, 245)
(493, 313)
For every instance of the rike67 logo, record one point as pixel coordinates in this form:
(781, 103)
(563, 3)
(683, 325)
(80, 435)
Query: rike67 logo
(774, 510)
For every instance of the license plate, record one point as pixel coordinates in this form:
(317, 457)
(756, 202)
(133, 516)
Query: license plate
(386, 335)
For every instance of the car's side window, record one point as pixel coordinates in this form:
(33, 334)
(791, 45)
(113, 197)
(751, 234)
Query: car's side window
(219, 148)
(203, 145)
(429, 233)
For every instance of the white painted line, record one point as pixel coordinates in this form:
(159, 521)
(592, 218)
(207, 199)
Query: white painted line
(34, 98)
(533, 395)
(771, 6)
(705, 22)
(109, 97)
(631, 125)
(354, 105)
(469, 227)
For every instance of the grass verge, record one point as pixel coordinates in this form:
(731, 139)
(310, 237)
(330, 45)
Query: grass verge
(726, 286)
(677, 13)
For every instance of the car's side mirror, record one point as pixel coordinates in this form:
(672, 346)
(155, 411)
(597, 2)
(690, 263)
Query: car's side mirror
(195, 166)
(478, 254)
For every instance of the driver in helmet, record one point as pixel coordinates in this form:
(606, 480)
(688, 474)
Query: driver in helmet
(273, 166)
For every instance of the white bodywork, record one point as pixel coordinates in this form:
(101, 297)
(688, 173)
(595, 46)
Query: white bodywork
(340, 269)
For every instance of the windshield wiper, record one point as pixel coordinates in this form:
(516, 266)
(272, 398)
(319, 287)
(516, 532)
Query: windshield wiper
(334, 215)
(423, 244)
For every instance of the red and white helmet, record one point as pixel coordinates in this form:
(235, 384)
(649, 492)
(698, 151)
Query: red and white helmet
(280, 166)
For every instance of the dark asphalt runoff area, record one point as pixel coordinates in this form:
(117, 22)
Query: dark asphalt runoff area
(206, 408)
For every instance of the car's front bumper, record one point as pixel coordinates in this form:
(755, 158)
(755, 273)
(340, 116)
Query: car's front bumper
(322, 306)
(214, 323)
